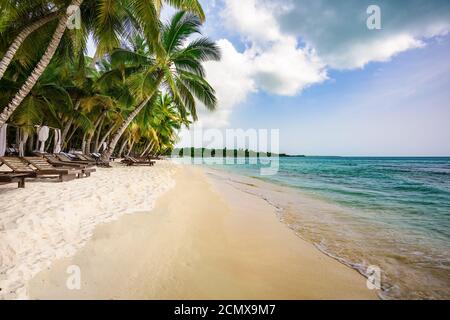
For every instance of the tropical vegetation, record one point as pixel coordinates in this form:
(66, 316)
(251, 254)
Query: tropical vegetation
(143, 84)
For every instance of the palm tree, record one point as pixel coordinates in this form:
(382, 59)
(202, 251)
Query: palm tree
(107, 24)
(29, 27)
(159, 125)
(178, 68)
(40, 67)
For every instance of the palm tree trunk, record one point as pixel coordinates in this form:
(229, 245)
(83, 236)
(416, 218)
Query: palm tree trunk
(131, 148)
(30, 143)
(66, 129)
(112, 144)
(88, 144)
(69, 123)
(40, 67)
(106, 136)
(99, 131)
(122, 147)
(146, 148)
(83, 143)
(12, 50)
(91, 134)
(66, 143)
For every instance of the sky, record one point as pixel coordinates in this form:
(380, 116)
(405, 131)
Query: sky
(313, 70)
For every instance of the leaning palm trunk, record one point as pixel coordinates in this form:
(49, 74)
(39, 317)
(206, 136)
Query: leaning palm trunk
(90, 135)
(69, 123)
(122, 147)
(131, 149)
(83, 143)
(99, 132)
(66, 129)
(66, 143)
(12, 50)
(105, 136)
(40, 67)
(112, 144)
(146, 148)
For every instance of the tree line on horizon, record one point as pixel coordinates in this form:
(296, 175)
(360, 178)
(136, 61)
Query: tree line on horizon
(144, 83)
(225, 153)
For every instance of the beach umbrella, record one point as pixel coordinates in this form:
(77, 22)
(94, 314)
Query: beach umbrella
(3, 139)
(42, 137)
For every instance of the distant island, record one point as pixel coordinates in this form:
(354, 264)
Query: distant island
(226, 153)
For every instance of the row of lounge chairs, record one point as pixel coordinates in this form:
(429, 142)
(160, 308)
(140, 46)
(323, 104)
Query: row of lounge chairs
(92, 158)
(133, 161)
(62, 166)
(44, 166)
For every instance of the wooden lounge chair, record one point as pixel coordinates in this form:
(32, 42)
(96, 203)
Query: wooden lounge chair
(96, 155)
(44, 166)
(11, 151)
(151, 157)
(19, 165)
(142, 159)
(65, 158)
(10, 177)
(86, 169)
(83, 158)
(98, 159)
(86, 158)
(131, 161)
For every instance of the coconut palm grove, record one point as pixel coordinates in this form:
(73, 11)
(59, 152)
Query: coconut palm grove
(144, 83)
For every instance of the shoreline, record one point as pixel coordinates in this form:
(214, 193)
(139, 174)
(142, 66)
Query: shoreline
(267, 190)
(202, 240)
(361, 240)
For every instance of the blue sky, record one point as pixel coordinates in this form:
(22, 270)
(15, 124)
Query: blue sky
(313, 70)
(401, 107)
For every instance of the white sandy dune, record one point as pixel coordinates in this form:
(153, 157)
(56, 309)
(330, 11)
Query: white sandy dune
(49, 220)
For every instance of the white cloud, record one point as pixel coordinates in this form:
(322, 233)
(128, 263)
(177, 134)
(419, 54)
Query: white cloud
(272, 62)
(333, 34)
(337, 29)
(338, 32)
(380, 50)
(232, 80)
(281, 69)
(254, 21)
(284, 69)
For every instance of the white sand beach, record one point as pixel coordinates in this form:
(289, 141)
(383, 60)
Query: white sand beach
(48, 221)
(202, 239)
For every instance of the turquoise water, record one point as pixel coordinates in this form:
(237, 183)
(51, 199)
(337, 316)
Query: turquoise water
(390, 212)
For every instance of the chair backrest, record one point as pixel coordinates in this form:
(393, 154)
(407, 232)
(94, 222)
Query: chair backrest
(81, 157)
(16, 164)
(87, 157)
(63, 157)
(39, 163)
(71, 156)
(51, 158)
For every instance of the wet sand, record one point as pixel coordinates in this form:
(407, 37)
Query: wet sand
(203, 240)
